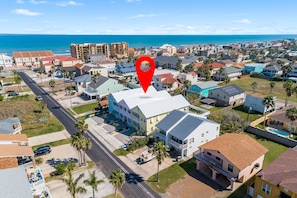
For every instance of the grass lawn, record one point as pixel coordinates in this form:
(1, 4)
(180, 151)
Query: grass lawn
(85, 108)
(56, 143)
(198, 104)
(263, 87)
(121, 152)
(9, 79)
(69, 111)
(170, 175)
(25, 88)
(243, 113)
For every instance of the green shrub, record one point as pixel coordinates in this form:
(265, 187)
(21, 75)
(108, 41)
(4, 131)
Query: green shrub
(60, 169)
(39, 160)
(1, 97)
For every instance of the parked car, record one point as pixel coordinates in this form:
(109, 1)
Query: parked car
(39, 98)
(13, 93)
(42, 150)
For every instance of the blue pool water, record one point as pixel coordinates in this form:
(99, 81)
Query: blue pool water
(278, 132)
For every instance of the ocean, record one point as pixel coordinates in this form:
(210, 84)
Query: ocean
(60, 44)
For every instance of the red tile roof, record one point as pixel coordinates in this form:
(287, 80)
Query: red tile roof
(32, 54)
(192, 73)
(60, 58)
(215, 65)
(197, 65)
(167, 78)
(104, 62)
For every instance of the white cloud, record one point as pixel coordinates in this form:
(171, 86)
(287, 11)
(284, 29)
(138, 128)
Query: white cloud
(19, 1)
(69, 3)
(185, 27)
(243, 21)
(25, 12)
(38, 2)
(130, 1)
(144, 15)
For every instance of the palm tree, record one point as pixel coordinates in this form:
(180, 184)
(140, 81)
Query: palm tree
(53, 69)
(94, 79)
(69, 90)
(117, 179)
(71, 74)
(254, 85)
(292, 115)
(93, 182)
(14, 72)
(86, 145)
(221, 70)
(81, 126)
(40, 71)
(179, 66)
(268, 102)
(18, 80)
(288, 86)
(160, 151)
(226, 79)
(286, 70)
(187, 84)
(77, 142)
(272, 84)
(64, 73)
(72, 184)
(52, 84)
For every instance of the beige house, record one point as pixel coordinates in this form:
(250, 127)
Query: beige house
(28, 58)
(62, 62)
(233, 157)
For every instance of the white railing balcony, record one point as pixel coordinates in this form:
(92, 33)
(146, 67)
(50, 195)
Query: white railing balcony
(177, 145)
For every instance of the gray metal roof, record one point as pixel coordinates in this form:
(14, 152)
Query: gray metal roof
(231, 90)
(205, 85)
(6, 126)
(14, 183)
(272, 68)
(167, 59)
(170, 120)
(101, 81)
(230, 70)
(83, 78)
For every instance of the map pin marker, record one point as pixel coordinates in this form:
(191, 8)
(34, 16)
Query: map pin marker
(145, 76)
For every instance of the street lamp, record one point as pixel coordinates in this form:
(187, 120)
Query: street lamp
(249, 110)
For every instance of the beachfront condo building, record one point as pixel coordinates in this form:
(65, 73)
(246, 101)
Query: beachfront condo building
(143, 111)
(30, 58)
(119, 50)
(82, 51)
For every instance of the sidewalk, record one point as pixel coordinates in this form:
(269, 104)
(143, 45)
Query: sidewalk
(51, 137)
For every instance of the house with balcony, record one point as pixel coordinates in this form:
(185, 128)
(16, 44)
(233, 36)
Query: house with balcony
(254, 102)
(232, 72)
(167, 62)
(272, 71)
(293, 73)
(233, 157)
(253, 67)
(59, 62)
(278, 179)
(27, 58)
(190, 76)
(10, 126)
(82, 82)
(126, 69)
(6, 61)
(144, 110)
(165, 81)
(202, 88)
(102, 87)
(185, 132)
(93, 69)
(230, 95)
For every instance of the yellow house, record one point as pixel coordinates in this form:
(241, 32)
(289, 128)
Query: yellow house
(278, 179)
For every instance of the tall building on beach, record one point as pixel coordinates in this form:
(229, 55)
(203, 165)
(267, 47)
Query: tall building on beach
(119, 50)
(82, 51)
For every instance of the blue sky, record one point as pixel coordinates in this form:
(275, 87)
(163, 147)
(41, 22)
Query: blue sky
(148, 17)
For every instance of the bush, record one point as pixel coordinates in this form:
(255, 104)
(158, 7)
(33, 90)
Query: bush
(258, 75)
(60, 169)
(138, 143)
(39, 160)
(1, 97)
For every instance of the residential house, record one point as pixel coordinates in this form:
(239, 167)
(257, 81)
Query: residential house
(254, 102)
(227, 62)
(82, 82)
(232, 72)
(144, 110)
(14, 149)
(235, 157)
(92, 69)
(202, 88)
(293, 73)
(230, 95)
(165, 81)
(278, 179)
(272, 71)
(5, 61)
(253, 67)
(190, 76)
(185, 132)
(94, 58)
(109, 64)
(214, 67)
(126, 69)
(280, 119)
(59, 62)
(187, 61)
(28, 58)
(167, 62)
(166, 48)
(198, 65)
(102, 87)
(10, 126)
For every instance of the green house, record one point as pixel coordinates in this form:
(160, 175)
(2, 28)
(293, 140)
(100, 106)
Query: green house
(202, 88)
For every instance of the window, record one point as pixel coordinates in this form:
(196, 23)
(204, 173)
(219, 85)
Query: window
(266, 188)
(230, 168)
(217, 128)
(202, 135)
(217, 158)
(206, 131)
(191, 140)
(208, 153)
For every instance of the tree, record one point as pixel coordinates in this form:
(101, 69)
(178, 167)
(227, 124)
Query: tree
(52, 84)
(40, 71)
(254, 85)
(268, 102)
(71, 74)
(86, 145)
(292, 115)
(117, 179)
(160, 151)
(93, 181)
(187, 84)
(286, 70)
(53, 69)
(77, 142)
(14, 72)
(69, 90)
(272, 84)
(64, 73)
(179, 66)
(226, 79)
(95, 79)
(221, 70)
(81, 126)
(18, 80)
(165, 66)
(72, 184)
(288, 86)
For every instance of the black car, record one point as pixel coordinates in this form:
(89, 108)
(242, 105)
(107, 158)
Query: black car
(13, 93)
(42, 150)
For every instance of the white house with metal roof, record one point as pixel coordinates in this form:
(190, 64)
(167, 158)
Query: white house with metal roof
(144, 110)
(185, 132)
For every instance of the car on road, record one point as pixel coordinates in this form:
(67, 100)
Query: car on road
(13, 93)
(43, 150)
(39, 98)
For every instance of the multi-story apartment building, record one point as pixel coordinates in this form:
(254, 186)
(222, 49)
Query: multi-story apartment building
(82, 51)
(119, 50)
(30, 58)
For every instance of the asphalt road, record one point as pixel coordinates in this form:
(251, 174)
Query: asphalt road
(100, 155)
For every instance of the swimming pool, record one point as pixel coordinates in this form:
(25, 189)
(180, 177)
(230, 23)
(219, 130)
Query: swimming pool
(278, 132)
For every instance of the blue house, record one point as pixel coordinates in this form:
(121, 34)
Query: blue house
(272, 71)
(202, 88)
(126, 69)
(253, 67)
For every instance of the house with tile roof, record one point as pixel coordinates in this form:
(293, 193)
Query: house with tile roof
(59, 62)
(143, 111)
(101, 88)
(234, 157)
(165, 81)
(227, 62)
(202, 88)
(10, 126)
(278, 179)
(32, 58)
(230, 95)
(185, 132)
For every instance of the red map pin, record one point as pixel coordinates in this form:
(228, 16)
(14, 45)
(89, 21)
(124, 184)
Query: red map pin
(145, 76)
